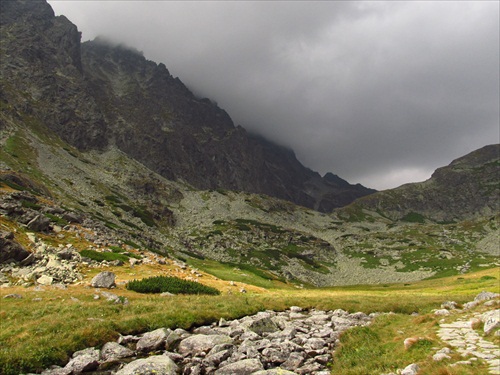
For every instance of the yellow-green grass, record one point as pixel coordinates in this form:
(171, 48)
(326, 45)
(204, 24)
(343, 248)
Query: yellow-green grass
(36, 334)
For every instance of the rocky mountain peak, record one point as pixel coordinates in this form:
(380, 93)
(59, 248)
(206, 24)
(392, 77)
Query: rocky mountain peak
(99, 94)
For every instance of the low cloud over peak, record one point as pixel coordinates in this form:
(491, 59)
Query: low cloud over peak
(380, 93)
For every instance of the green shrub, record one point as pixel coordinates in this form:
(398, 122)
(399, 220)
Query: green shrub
(413, 217)
(100, 256)
(12, 185)
(145, 216)
(56, 219)
(161, 284)
(28, 204)
(487, 277)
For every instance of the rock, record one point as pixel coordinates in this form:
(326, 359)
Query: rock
(275, 371)
(104, 279)
(440, 356)
(153, 340)
(72, 217)
(39, 223)
(491, 321)
(483, 296)
(45, 280)
(449, 305)
(442, 312)
(84, 361)
(13, 295)
(202, 343)
(294, 361)
(410, 369)
(114, 298)
(262, 325)
(10, 250)
(112, 351)
(155, 365)
(243, 367)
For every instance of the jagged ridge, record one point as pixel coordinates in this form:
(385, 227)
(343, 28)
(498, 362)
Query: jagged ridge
(98, 95)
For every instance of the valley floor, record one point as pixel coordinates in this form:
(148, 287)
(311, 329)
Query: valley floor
(45, 325)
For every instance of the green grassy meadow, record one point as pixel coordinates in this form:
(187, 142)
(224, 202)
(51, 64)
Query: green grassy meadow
(37, 333)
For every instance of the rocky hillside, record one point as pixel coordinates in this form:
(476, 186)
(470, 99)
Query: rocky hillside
(96, 95)
(466, 189)
(104, 152)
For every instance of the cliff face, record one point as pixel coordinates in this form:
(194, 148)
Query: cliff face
(466, 189)
(41, 73)
(94, 95)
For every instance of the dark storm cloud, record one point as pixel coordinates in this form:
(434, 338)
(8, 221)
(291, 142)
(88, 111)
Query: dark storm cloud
(380, 93)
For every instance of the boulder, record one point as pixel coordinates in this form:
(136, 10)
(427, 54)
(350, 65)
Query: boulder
(72, 217)
(484, 296)
(39, 223)
(410, 369)
(265, 324)
(154, 365)
(114, 298)
(153, 340)
(83, 361)
(112, 351)
(202, 343)
(104, 279)
(243, 367)
(11, 250)
(45, 280)
(491, 321)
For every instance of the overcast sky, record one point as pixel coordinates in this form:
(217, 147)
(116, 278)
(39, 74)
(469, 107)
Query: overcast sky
(377, 92)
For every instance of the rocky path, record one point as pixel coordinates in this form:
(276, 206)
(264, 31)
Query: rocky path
(290, 342)
(461, 335)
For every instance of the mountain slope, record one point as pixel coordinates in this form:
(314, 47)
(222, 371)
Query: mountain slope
(468, 188)
(98, 95)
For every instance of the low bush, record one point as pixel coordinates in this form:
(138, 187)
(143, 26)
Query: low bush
(100, 256)
(161, 284)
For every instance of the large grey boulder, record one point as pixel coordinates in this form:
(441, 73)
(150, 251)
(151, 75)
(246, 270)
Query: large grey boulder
(155, 365)
(112, 351)
(484, 296)
(243, 367)
(153, 340)
(202, 343)
(104, 279)
(491, 321)
(265, 324)
(83, 361)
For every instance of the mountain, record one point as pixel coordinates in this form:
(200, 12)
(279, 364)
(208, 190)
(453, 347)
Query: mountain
(467, 189)
(102, 151)
(98, 95)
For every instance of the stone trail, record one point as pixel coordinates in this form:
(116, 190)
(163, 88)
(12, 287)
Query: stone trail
(466, 341)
